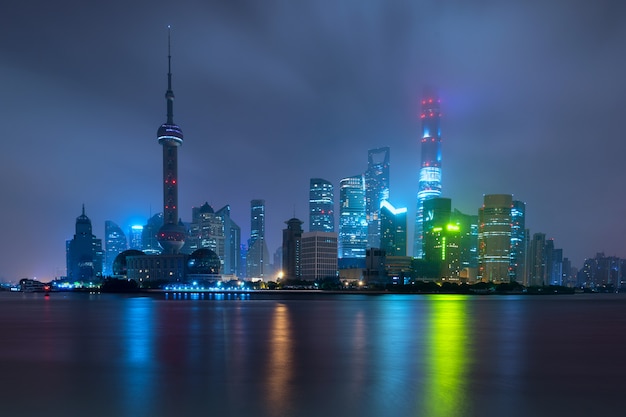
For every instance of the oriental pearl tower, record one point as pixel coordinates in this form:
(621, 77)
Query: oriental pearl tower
(171, 235)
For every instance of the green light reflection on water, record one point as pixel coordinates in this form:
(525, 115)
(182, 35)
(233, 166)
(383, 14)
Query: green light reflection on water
(447, 357)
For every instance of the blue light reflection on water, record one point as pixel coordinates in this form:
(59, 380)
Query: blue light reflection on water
(138, 343)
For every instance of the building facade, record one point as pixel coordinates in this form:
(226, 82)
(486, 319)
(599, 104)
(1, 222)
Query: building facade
(319, 256)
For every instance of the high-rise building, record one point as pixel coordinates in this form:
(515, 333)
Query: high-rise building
(393, 225)
(494, 238)
(205, 231)
(257, 258)
(149, 240)
(321, 206)
(135, 233)
(171, 235)
(114, 244)
(84, 252)
(537, 260)
(352, 219)
(292, 249)
(556, 277)
(442, 238)
(429, 185)
(232, 243)
(319, 256)
(517, 271)
(376, 191)
(468, 250)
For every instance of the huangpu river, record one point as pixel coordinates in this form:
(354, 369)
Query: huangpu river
(257, 354)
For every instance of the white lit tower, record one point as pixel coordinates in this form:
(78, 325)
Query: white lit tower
(171, 235)
(429, 185)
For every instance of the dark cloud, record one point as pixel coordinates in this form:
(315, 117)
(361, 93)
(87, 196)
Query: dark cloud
(272, 93)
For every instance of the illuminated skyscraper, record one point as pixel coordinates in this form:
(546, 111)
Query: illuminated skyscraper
(468, 250)
(171, 235)
(429, 185)
(392, 229)
(114, 244)
(517, 271)
(494, 238)
(352, 218)
(149, 235)
(321, 206)
(135, 233)
(376, 191)
(257, 258)
(206, 230)
(443, 235)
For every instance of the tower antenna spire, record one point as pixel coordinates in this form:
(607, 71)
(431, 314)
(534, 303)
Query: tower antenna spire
(169, 94)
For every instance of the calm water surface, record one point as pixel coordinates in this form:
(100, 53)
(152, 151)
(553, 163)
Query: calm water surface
(314, 355)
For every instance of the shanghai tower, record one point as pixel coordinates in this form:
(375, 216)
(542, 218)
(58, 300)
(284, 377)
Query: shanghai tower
(429, 185)
(171, 235)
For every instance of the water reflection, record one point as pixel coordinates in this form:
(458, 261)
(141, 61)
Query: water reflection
(279, 372)
(138, 339)
(448, 357)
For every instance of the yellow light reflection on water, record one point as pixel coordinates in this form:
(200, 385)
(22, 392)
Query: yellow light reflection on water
(280, 361)
(448, 357)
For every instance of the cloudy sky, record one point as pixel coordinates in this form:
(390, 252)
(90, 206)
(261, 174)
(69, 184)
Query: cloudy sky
(271, 93)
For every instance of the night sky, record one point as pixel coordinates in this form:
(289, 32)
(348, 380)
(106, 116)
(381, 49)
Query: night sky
(271, 93)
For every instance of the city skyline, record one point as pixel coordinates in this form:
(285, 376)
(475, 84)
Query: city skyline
(531, 96)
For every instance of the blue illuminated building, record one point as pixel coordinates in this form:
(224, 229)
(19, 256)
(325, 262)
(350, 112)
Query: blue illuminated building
(321, 206)
(429, 185)
(352, 220)
(114, 244)
(517, 270)
(135, 237)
